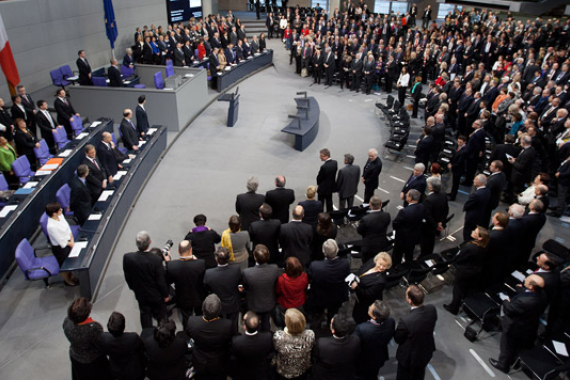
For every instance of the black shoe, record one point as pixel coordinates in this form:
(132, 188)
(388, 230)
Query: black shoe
(449, 309)
(497, 365)
(70, 285)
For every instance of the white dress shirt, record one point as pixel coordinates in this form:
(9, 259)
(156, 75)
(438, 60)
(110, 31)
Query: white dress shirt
(59, 231)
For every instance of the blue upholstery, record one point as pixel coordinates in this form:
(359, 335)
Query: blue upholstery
(60, 137)
(57, 78)
(158, 82)
(22, 170)
(99, 81)
(42, 153)
(127, 71)
(35, 268)
(77, 125)
(169, 71)
(63, 196)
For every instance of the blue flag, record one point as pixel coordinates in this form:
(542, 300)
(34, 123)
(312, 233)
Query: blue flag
(110, 23)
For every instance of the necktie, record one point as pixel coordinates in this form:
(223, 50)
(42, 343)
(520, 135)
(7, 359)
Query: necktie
(95, 163)
(48, 116)
(132, 125)
(65, 101)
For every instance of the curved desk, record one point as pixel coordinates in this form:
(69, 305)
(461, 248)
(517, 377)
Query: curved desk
(305, 125)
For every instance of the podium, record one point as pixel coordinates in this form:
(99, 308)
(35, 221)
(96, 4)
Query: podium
(233, 109)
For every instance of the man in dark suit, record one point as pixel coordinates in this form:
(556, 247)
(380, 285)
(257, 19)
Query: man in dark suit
(326, 179)
(520, 321)
(280, 199)
(97, 177)
(266, 231)
(457, 166)
(548, 269)
(336, 355)
(145, 276)
(179, 55)
(269, 24)
(106, 155)
(416, 181)
(65, 111)
(522, 166)
(247, 204)
(130, 134)
(114, 74)
(406, 225)
(80, 196)
(142, 118)
(84, 69)
(425, 148)
(47, 125)
(252, 350)
(414, 335)
(295, 238)
(496, 184)
(347, 182)
(212, 336)
(372, 228)
(29, 107)
(329, 66)
(187, 275)
(475, 148)
(204, 240)
(436, 210)
(259, 284)
(416, 95)
(476, 207)
(533, 223)
(223, 281)
(370, 174)
(375, 335)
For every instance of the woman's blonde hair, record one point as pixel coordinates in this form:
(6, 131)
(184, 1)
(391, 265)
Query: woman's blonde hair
(295, 321)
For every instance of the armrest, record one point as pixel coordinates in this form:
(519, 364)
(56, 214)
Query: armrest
(34, 269)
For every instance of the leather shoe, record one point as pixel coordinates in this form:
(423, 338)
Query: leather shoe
(497, 365)
(449, 309)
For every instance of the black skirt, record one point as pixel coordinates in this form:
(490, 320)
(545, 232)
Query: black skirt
(61, 253)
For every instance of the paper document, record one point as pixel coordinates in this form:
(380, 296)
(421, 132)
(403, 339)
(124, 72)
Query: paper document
(4, 212)
(81, 135)
(350, 278)
(127, 82)
(529, 271)
(150, 131)
(40, 173)
(65, 153)
(94, 124)
(105, 195)
(119, 175)
(77, 247)
(95, 217)
(127, 161)
(30, 184)
(503, 296)
(141, 143)
(430, 263)
(49, 167)
(518, 275)
(560, 348)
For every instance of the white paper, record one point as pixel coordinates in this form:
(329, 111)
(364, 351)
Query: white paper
(95, 123)
(77, 247)
(127, 161)
(40, 173)
(503, 296)
(4, 212)
(65, 153)
(81, 135)
(430, 263)
(30, 184)
(189, 75)
(127, 82)
(50, 167)
(560, 348)
(529, 271)
(95, 217)
(141, 143)
(350, 278)
(518, 275)
(228, 68)
(119, 175)
(105, 195)
(72, 78)
(150, 131)
(168, 89)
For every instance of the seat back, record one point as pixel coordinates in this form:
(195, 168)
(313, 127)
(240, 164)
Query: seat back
(169, 71)
(60, 137)
(3, 183)
(63, 195)
(21, 168)
(99, 81)
(56, 77)
(42, 153)
(66, 71)
(158, 82)
(127, 71)
(43, 224)
(169, 63)
(390, 101)
(77, 125)
(25, 256)
(196, 54)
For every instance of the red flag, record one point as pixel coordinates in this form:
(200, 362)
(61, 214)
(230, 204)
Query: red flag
(7, 58)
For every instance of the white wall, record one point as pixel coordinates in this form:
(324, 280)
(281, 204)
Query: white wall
(46, 34)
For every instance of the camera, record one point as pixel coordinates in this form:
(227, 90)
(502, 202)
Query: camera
(167, 247)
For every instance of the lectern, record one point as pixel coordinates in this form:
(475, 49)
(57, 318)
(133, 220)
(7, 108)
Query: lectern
(233, 109)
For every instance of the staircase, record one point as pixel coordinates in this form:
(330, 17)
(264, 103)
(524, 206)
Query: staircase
(254, 27)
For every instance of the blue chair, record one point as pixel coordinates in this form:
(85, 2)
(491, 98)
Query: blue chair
(42, 153)
(77, 125)
(3, 187)
(22, 169)
(169, 63)
(127, 71)
(57, 78)
(121, 149)
(100, 81)
(169, 71)
(196, 54)
(63, 196)
(43, 224)
(67, 74)
(35, 268)
(158, 82)
(60, 137)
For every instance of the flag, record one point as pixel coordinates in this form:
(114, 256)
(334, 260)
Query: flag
(7, 58)
(110, 23)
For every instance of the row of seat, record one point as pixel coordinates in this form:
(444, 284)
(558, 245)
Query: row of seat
(63, 76)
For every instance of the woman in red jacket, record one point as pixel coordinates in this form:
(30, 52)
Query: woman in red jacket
(291, 288)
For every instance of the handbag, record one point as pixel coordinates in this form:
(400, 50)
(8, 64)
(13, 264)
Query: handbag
(304, 72)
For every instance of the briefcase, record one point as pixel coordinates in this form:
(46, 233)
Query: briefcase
(304, 72)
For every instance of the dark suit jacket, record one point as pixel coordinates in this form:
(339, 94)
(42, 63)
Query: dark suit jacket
(142, 120)
(17, 113)
(312, 210)
(247, 206)
(295, 240)
(25, 143)
(211, 344)
(419, 183)
(64, 111)
(335, 358)
(188, 278)
(436, 209)
(115, 77)
(373, 227)
(224, 281)
(107, 158)
(476, 207)
(259, 283)
(372, 170)
(178, 58)
(267, 232)
(374, 341)
(369, 289)
(130, 134)
(95, 178)
(280, 199)
(326, 277)
(533, 223)
(469, 261)
(425, 149)
(204, 245)
(496, 183)
(166, 363)
(347, 181)
(145, 276)
(45, 127)
(252, 353)
(522, 313)
(458, 161)
(84, 71)
(326, 177)
(414, 335)
(407, 222)
(126, 355)
(522, 167)
(475, 145)
(80, 199)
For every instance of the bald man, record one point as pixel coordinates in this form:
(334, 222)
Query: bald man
(520, 322)
(295, 238)
(280, 199)
(129, 131)
(370, 174)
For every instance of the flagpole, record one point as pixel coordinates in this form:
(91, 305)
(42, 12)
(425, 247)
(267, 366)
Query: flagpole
(113, 52)
(12, 89)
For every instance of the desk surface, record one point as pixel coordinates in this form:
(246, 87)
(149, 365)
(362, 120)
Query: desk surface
(243, 69)
(307, 121)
